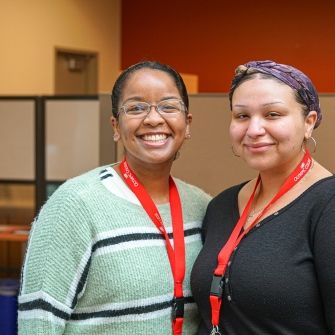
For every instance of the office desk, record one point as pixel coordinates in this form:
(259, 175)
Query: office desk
(16, 233)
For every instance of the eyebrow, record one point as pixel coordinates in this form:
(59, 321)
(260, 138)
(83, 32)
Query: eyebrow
(136, 98)
(140, 99)
(171, 97)
(264, 105)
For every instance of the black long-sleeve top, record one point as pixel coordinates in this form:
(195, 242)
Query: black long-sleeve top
(281, 278)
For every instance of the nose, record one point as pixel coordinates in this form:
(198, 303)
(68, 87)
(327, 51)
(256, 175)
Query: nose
(153, 117)
(255, 127)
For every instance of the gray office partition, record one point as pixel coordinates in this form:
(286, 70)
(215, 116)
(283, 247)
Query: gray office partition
(78, 137)
(17, 139)
(72, 137)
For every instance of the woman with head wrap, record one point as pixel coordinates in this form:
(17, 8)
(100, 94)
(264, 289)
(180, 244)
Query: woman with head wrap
(267, 262)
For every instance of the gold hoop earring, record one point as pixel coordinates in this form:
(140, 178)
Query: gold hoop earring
(234, 153)
(187, 136)
(116, 137)
(314, 143)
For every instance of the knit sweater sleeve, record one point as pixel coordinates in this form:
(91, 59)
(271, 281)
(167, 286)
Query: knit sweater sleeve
(324, 253)
(53, 274)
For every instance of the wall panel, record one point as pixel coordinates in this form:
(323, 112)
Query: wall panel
(17, 139)
(206, 159)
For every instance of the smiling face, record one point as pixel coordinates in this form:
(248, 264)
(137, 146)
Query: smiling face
(268, 126)
(151, 139)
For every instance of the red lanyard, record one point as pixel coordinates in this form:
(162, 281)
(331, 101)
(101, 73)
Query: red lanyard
(238, 233)
(177, 254)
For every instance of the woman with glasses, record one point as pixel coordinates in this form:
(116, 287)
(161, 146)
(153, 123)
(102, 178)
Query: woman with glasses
(111, 251)
(267, 265)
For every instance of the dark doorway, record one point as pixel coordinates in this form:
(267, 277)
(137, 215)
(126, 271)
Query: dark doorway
(76, 72)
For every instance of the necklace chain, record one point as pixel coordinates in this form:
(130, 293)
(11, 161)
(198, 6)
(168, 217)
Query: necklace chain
(254, 212)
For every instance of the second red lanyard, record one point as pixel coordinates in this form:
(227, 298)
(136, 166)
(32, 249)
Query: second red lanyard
(238, 233)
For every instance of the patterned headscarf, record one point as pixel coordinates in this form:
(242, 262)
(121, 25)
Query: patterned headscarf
(288, 75)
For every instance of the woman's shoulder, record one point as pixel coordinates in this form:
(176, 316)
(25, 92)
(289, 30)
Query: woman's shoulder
(323, 188)
(79, 186)
(326, 182)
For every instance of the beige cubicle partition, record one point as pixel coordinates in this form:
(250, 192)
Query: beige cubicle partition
(17, 139)
(206, 159)
(325, 133)
(72, 137)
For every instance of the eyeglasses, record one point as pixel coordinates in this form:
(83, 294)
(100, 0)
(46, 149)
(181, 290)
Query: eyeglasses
(166, 108)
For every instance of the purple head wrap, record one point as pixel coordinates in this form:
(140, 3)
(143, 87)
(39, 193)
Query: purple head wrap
(288, 75)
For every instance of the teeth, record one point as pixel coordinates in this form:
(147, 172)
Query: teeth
(154, 137)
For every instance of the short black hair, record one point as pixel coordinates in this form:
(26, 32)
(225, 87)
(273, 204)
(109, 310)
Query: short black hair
(154, 65)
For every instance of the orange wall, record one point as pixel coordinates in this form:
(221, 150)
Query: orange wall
(30, 30)
(210, 38)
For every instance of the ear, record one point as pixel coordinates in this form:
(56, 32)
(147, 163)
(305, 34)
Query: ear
(189, 118)
(115, 125)
(310, 121)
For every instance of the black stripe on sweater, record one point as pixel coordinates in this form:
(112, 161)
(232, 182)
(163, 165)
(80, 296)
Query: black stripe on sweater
(127, 311)
(137, 237)
(106, 176)
(41, 304)
(81, 282)
(125, 238)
